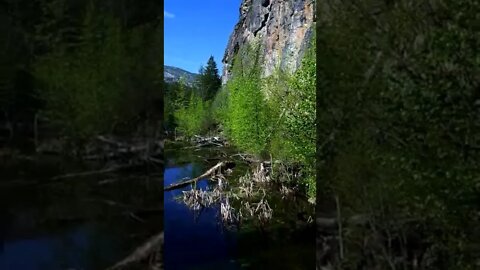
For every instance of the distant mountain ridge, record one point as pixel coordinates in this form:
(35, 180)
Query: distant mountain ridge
(173, 74)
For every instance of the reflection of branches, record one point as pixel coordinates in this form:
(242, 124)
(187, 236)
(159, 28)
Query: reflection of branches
(197, 214)
(151, 247)
(251, 185)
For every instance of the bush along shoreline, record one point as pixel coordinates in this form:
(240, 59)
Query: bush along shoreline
(271, 118)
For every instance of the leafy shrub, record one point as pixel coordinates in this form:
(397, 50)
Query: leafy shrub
(220, 106)
(100, 79)
(195, 117)
(248, 116)
(83, 87)
(398, 117)
(273, 115)
(300, 116)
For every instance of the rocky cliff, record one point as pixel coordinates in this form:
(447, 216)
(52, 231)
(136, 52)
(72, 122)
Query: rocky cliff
(283, 27)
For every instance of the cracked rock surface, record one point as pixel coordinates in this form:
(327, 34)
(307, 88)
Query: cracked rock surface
(284, 28)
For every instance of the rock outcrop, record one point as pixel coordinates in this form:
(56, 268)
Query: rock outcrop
(283, 27)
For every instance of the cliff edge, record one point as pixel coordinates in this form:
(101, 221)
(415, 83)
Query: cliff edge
(283, 27)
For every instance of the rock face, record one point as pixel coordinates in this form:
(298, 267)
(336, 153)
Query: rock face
(283, 27)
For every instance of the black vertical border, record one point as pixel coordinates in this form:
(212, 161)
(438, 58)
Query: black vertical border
(161, 26)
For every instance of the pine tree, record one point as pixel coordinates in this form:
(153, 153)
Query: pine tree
(209, 81)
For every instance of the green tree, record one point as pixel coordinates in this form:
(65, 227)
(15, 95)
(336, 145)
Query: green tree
(194, 118)
(177, 97)
(248, 121)
(209, 81)
(83, 87)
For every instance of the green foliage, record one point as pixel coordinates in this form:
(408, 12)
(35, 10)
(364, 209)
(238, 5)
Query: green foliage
(300, 118)
(101, 81)
(209, 81)
(292, 103)
(300, 113)
(189, 109)
(273, 115)
(176, 95)
(83, 87)
(277, 88)
(399, 119)
(262, 116)
(220, 106)
(194, 118)
(248, 116)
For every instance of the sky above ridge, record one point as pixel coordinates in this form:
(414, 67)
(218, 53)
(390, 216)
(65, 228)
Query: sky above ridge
(195, 30)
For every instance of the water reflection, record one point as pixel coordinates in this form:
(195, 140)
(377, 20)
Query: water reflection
(84, 223)
(197, 240)
(193, 239)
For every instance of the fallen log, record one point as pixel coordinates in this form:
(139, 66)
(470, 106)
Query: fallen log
(90, 173)
(110, 141)
(251, 159)
(207, 141)
(141, 252)
(187, 182)
(205, 144)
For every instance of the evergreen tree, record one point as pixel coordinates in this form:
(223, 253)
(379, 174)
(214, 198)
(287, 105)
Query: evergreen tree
(209, 81)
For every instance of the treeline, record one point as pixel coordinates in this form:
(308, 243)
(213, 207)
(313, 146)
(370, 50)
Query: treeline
(268, 117)
(399, 131)
(85, 67)
(188, 105)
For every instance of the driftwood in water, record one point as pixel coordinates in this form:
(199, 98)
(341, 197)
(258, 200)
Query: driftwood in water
(252, 159)
(141, 253)
(207, 141)
(209, 172)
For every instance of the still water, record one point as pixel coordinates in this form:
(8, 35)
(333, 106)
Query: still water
(197, 240)
(77, 223)
(93, 222)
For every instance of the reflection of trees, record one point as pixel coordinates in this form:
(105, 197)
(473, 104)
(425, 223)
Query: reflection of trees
(196, 170)
(61, 210)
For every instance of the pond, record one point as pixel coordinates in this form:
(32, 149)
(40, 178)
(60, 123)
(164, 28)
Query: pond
(197, 239)
(76, 223)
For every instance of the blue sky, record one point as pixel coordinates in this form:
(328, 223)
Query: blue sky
(196, 29)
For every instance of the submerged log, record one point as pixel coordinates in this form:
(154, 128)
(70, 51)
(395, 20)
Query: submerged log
(215, 169)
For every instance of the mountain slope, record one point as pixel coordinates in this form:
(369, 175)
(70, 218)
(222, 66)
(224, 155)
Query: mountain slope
(173, 74)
